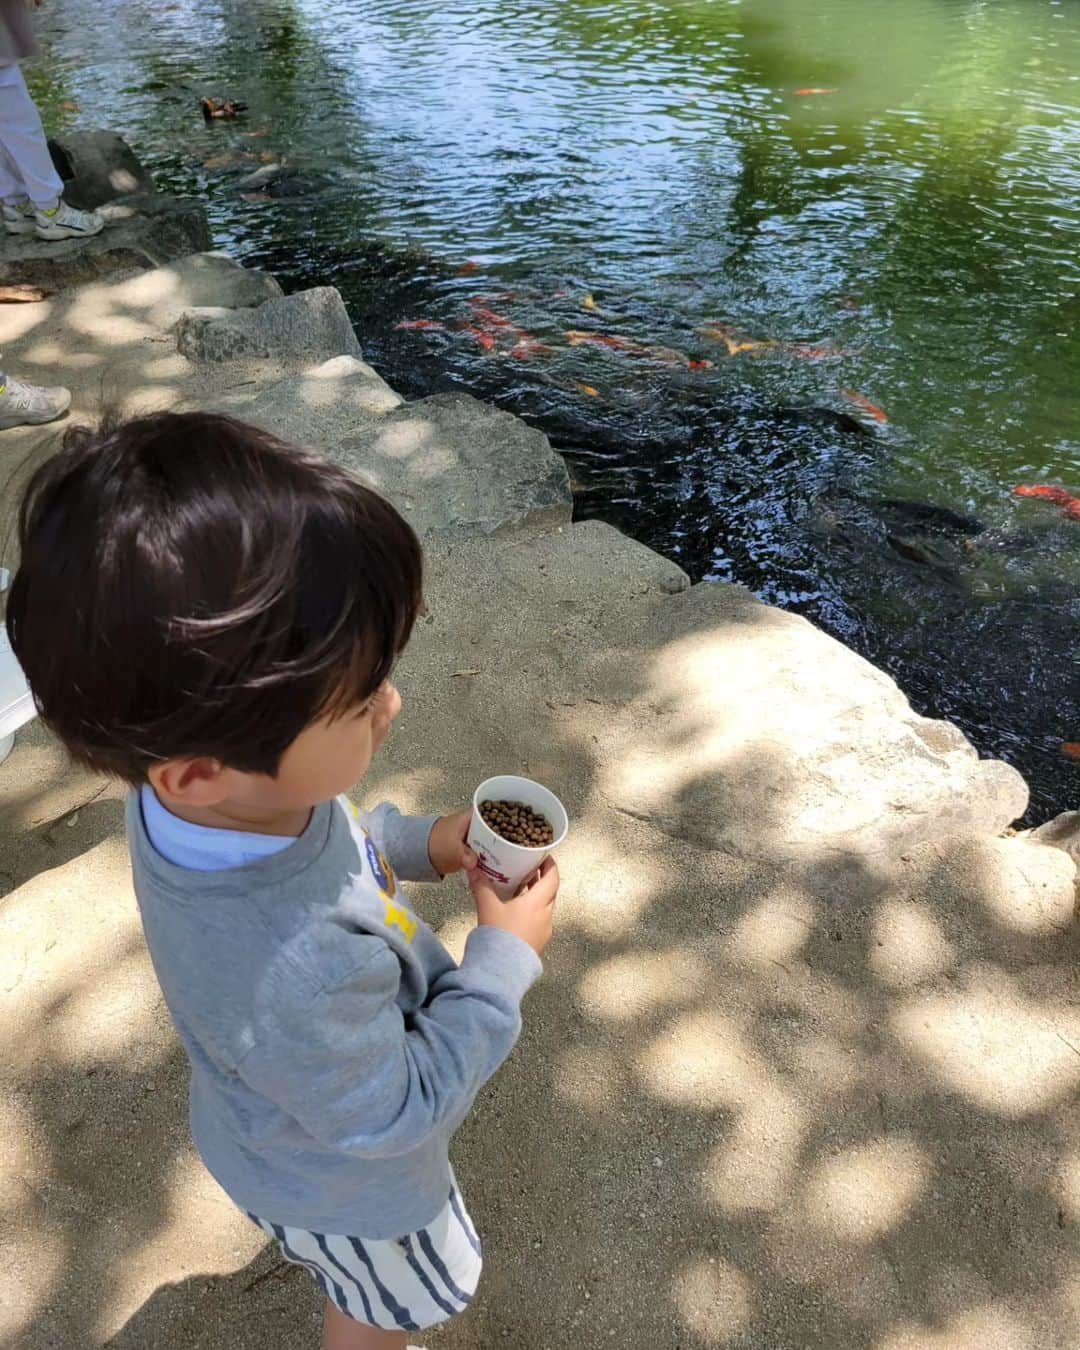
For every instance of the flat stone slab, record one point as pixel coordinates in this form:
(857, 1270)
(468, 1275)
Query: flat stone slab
(142, 231)
(161, 295)
(311, 324)
(319, 406)
(454, 465)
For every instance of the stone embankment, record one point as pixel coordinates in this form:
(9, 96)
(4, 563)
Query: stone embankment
(803, 1066)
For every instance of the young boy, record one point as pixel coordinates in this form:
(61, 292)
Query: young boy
(214, 617)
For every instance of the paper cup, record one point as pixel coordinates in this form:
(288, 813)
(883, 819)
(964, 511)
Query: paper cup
(507, 865)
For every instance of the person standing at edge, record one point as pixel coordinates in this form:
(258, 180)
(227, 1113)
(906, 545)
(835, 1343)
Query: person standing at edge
(30, 189)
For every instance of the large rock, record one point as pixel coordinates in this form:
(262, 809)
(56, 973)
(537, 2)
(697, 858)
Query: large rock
(790, 746)
(97, 167)
(141, 231)
(457, 466)
(318, 407)
(308, 325)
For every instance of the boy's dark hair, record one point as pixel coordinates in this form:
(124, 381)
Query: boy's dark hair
(189, 585)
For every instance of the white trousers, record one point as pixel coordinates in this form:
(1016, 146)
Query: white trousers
(26, 167)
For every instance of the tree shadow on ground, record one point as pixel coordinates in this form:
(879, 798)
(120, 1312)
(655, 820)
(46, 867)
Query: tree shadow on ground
(769, 1097)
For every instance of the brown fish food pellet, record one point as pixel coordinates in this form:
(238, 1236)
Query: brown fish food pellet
(517, 823)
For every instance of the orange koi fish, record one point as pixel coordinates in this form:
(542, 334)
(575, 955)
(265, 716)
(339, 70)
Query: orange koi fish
(577, 338)
(423, 325)
(871, 409)
(1048, 493)
(1071, 749)
(802, 93)
(467, 269)
(484, 339)
(727, 335)
(589, 389)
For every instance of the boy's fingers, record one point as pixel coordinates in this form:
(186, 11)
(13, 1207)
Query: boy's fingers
(482, 889)
(468, 859)
(546, 886)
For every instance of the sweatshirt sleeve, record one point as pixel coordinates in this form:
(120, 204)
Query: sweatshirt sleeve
(404, 840)
(363, 1079)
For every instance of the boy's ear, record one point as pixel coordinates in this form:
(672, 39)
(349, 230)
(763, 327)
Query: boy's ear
(192, 782)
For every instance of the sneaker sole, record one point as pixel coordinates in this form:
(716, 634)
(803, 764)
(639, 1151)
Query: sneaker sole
(53, 232)
(9, 421)
(20, 227)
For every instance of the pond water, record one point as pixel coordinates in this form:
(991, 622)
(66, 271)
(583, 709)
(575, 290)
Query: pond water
(819, 265)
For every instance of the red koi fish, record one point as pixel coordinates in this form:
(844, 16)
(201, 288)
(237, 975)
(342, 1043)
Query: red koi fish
(701, 365)
(1048, 493)
(484, 339)
(527, 347)
(802, 93)
(871, 409)
(422, 325)
(489, 316)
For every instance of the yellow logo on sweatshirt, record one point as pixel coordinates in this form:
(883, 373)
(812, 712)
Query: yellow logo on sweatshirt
(399, 917)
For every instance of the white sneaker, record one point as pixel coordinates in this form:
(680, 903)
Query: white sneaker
(19, 217)
(24, 405)
(65, 222)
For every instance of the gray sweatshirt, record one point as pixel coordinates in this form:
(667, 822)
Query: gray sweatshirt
(335, 1045)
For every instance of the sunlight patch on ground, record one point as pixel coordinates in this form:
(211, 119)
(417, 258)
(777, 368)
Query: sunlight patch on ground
(637, 984)
(704, 1063)
(992, 1327)
(587, 1077)
(31, 1258)
(202, 1232)
(773, 932)
(861, 1193)
(714, 1300)
(909, 944)
(1005, 1052)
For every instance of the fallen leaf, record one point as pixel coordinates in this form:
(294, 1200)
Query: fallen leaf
(22, 294)
(69, 105)
(269, 157)
(589, 302)
(458, 674)
(589, 389)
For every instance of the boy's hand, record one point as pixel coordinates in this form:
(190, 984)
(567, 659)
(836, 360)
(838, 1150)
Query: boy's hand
(531, 913)
(446, 844)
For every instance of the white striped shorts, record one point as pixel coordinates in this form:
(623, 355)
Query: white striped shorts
(397, 1284)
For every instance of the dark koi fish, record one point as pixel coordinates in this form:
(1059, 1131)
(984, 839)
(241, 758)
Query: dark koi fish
(871, 409)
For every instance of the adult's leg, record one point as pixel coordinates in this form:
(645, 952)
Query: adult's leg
(342, 1333)
(23, 137)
